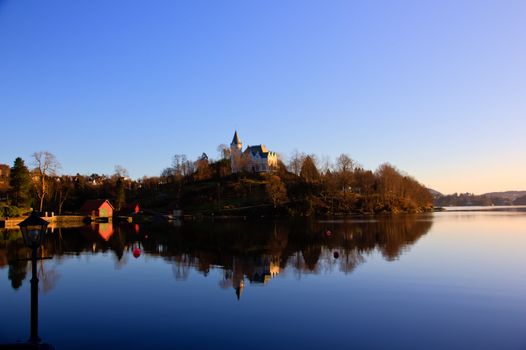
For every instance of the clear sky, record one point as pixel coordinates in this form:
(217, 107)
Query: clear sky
(437, 88)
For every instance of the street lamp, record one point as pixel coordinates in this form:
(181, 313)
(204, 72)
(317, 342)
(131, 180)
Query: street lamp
(33, 229)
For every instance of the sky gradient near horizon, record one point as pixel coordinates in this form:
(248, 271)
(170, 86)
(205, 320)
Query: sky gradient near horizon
(436, 88)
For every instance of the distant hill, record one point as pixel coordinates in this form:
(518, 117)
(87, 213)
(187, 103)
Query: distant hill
(520, 201)
(486, 199)
(510, 195)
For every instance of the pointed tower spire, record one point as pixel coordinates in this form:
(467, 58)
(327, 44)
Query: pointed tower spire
(239, 289)
(236, 140)
(235, 153)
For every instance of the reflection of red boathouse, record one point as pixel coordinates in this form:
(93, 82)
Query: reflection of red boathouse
(105, 230)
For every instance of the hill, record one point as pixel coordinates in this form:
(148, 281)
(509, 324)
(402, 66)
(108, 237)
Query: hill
(285, 193)
(509, 195)
(486, 199)
(520, 201)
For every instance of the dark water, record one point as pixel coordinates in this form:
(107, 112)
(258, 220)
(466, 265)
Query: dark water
(449, 280)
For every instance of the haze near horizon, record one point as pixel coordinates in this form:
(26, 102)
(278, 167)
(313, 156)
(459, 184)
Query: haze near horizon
(435, 88)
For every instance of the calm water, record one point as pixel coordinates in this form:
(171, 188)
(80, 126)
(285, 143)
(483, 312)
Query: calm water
(450, 280)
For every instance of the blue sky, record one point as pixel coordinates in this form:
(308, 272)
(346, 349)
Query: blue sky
(437, 88)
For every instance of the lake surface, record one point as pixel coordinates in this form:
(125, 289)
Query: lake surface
(449, 280)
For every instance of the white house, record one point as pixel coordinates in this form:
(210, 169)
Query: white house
(257, 159)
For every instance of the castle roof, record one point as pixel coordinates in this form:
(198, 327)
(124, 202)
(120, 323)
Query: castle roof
(236, 140)
(262, 150)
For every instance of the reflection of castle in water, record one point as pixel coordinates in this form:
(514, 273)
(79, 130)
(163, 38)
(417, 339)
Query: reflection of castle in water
(265, 270)
(248, 252)
(257, 270)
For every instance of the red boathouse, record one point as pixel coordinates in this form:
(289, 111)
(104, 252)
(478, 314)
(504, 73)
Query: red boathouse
(100, 208)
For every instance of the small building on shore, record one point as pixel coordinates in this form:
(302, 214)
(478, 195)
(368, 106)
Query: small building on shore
(99, 208)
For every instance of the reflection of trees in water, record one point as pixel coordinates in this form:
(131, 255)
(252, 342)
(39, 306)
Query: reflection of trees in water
(14, 254)
(346, 261)
(17, 273)
(181, 267)
(48, 277)
(254, 251)
(351, 241)
(12, 250)
(311, 254)
(303, 246)
(349, 260)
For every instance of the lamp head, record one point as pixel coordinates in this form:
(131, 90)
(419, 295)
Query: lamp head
(33, 229)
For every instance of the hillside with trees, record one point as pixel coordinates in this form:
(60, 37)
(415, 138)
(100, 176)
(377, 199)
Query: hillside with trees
(300, 188)
(303, 187)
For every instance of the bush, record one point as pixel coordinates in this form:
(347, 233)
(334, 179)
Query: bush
(10, 211)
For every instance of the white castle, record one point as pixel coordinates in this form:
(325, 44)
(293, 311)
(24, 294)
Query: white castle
(257, 159)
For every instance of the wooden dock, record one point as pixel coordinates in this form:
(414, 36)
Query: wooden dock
(58, 220)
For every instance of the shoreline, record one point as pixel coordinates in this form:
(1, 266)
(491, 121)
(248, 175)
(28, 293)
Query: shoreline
(69, 221)
(54, 221)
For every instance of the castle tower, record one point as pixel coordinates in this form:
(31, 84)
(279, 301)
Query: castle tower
(239, 288)
(235, 153)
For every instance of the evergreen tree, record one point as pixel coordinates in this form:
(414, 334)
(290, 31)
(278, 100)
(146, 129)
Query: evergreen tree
(309, 171)
(20, 182)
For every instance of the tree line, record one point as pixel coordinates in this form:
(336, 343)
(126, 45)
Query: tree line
(471, 199)
(304, 185)
(39, 187)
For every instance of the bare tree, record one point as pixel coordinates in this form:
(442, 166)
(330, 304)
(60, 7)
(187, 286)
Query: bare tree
(276, 190)
(389, 182)
(178, 163)
(121, 171)
(345, 166)
(182, 166)
(296, 161)
(63, 186)
(224, 151)
(325, 164)
(344, 163)
(46, 164)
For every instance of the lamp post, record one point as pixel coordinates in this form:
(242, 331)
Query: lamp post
(33, 229)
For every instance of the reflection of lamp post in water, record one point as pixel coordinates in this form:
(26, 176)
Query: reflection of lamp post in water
(33, 229)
